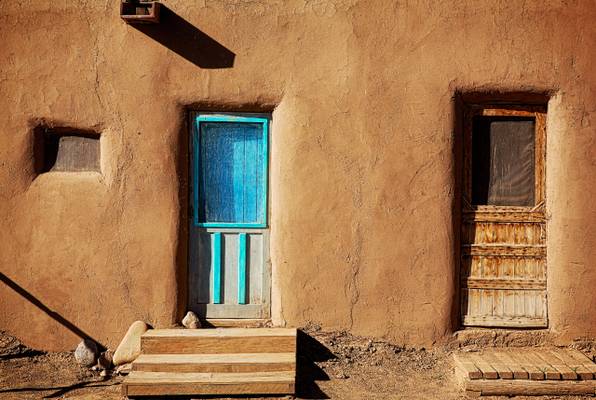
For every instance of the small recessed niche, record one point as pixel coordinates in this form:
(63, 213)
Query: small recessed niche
(63, 149)
(140, 12)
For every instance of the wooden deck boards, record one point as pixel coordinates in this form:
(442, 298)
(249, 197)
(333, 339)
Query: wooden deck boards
(236, 362)
(511, 372)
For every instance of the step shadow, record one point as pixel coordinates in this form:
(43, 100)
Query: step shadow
(309, 352)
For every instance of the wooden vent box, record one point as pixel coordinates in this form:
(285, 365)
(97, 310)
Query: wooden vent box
(140, 12)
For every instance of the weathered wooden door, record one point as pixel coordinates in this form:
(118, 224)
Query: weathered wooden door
(503, 236)
(229, 238)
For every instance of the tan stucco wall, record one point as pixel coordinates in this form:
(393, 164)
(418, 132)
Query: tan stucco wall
(362, 168)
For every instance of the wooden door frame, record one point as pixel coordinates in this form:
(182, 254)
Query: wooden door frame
(500, 214)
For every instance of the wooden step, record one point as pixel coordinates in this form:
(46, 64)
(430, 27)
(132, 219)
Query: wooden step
(237, 362)
(220, 340)
(140, 383)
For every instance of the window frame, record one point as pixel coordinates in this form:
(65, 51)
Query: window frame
(538, 113)
(196, 164)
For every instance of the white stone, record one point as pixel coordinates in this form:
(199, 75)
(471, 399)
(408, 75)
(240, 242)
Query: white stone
(86, 353)
(130, 346)
(124, 369)
(191, 321)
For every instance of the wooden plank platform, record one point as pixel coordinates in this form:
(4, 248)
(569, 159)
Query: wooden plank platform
(514, 372)
(221, 362)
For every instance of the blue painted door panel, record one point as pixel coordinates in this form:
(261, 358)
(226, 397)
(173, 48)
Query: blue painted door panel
(231, 172)
(229, 246)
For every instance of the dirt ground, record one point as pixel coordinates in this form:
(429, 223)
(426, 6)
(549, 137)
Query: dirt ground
(331, 365)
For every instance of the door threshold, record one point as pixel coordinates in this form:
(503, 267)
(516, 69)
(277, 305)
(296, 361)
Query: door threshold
(236, 323)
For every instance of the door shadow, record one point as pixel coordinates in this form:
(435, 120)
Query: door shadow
(189, 42)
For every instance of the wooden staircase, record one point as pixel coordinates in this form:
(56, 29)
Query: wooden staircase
(222, 361)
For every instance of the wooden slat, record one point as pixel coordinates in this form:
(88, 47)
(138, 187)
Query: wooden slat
(498, 365)
(534, 372)
(242, 268)
(549, 371)
(466, 366)
(507, 233)
(488, 372)
(216, 268)
(504, 321)
(227, 332)
(504, 217)
(504, 250)
(210, 341)
(519, 387)
(255, 362)
(236, 323)
(566, 372)
(518, 371)
(577, 367)
(210, 345)
(518, 284)
(583, 360)
(220, 378)
(162, 384)
(529, 111)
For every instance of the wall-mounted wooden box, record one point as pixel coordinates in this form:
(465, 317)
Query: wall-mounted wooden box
(140, 12)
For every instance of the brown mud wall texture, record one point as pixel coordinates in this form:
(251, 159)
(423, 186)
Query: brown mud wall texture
(363, 156)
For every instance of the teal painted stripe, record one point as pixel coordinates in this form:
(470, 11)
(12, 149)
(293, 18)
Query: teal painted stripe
(242, 268)
(229, 225)
(216, 267)
(265, 169)
(231, 118)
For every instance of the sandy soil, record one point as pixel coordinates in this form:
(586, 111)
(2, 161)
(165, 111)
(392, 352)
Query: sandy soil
(331, 365)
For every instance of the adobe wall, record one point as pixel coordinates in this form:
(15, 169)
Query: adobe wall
(362, 163)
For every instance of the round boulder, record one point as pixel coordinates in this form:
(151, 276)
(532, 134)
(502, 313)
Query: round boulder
(86, 353)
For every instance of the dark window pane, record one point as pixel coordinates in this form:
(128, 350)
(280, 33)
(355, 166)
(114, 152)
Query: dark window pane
(503, 161)
(231, 172)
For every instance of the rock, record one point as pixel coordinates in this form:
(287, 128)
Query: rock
(95, 368)
(341, 375)
(191, 321)
(130, 346)
(104, 373)
(124, 369)
(86, 353)
(104, 361)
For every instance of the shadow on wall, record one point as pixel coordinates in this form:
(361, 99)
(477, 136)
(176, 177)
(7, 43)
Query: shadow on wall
(54, 315)
(178, 35)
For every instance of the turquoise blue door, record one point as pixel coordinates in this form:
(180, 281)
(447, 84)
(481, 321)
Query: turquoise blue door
(229, 252)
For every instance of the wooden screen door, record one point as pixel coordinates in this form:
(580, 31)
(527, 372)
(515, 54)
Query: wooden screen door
(229, 241)
(503, 236)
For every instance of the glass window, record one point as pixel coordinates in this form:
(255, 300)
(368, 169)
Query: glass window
(503, 161)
